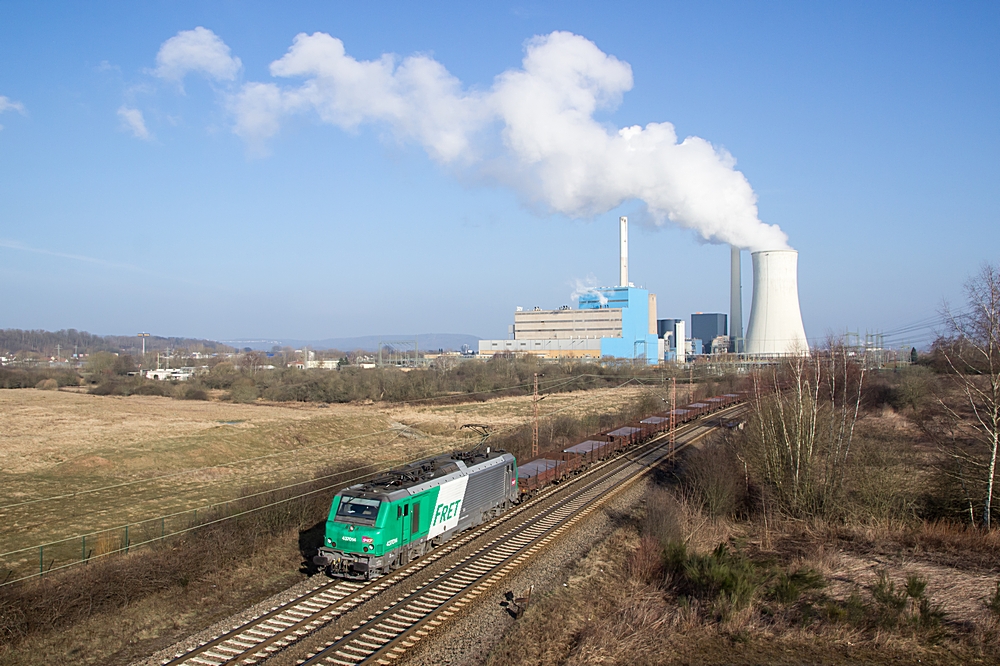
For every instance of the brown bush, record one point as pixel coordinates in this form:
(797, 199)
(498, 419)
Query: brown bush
(47, 385)
(716, 479)
(645, 563)
(191, 393)
(663, 520)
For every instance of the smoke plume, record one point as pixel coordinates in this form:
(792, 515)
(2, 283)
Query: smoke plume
(587, 287)
(551, 149)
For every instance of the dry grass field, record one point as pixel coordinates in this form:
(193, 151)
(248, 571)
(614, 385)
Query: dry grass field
(175, 454)
(111, 460)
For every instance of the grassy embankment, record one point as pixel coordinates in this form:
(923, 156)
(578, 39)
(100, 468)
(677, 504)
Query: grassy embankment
(871, 561)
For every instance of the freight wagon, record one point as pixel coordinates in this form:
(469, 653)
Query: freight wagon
(540, 472)
(625, 436)
(382, 524)
(590, 450)
(656, 424)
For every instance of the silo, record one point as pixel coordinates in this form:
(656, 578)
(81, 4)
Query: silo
(775, 327)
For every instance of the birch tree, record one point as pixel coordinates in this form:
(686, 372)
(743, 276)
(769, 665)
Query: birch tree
(972, 355)
(805, 409)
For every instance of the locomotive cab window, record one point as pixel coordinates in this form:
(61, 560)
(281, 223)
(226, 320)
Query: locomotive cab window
(358, 510)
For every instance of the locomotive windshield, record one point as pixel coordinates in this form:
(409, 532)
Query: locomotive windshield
(358, 509)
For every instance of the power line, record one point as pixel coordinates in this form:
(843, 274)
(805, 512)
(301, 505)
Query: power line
(236, 462)
(244, 498)
(189, 471)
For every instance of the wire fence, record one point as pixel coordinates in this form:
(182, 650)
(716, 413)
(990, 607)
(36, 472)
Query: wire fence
(37, 561)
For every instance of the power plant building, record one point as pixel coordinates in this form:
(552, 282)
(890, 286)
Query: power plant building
(708, 326)
(609, 322)
(620, 322)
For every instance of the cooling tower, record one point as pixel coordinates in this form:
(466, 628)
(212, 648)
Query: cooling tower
(775, 319)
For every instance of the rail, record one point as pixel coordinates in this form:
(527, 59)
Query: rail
(523, 531)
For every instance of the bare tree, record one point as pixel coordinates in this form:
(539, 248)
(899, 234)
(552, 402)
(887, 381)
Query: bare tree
(252, 361)
(805, 409)
(972, 355)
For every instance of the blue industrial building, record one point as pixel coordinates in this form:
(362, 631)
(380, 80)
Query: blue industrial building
(638, 332)
(610, 322)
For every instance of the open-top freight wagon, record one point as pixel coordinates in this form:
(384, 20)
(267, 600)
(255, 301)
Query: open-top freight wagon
(382, 524)
(552, 467)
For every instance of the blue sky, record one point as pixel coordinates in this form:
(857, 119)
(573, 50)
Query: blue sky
(867, 131)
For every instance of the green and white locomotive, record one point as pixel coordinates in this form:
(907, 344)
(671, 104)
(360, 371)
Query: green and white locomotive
(382, 524)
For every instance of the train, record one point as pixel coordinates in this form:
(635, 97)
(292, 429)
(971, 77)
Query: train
(382, 524)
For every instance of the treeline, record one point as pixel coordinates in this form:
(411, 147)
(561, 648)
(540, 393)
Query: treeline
(469, 380)
(13, 378)
(13, 340)
(68, 341)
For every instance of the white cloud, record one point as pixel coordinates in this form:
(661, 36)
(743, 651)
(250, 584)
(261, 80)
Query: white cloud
(198, 50)
(418, 97)
(133, 121)
(7, 104)
(534, 130)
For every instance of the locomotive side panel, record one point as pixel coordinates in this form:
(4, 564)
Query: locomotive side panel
(487, 491)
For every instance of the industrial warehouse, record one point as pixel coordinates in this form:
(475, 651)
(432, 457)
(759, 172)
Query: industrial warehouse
(621, 322)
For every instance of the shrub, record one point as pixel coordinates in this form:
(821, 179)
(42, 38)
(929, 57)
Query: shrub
(717, 480)
(789, 587)
(30, 377)
(662, 520)
(192, 393)
(724, 575)
(153, 387)
(243, 390)
(47, 385)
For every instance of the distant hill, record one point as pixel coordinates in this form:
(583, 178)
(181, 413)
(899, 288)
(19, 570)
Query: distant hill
(68, 341)
(425, 342)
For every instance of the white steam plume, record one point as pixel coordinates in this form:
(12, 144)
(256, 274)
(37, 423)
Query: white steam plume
(554, 151)
(584, 287)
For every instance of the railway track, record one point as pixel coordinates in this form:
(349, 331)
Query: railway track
(385, 636)
(269, 632)
(388, 633)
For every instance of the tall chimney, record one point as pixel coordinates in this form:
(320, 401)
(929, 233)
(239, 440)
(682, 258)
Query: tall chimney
(775, 327)
(623, 235)
(735, 301)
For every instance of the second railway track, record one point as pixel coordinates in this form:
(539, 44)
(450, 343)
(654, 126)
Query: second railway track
(387, 634)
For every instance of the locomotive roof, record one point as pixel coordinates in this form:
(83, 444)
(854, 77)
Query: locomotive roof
(398, 481)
